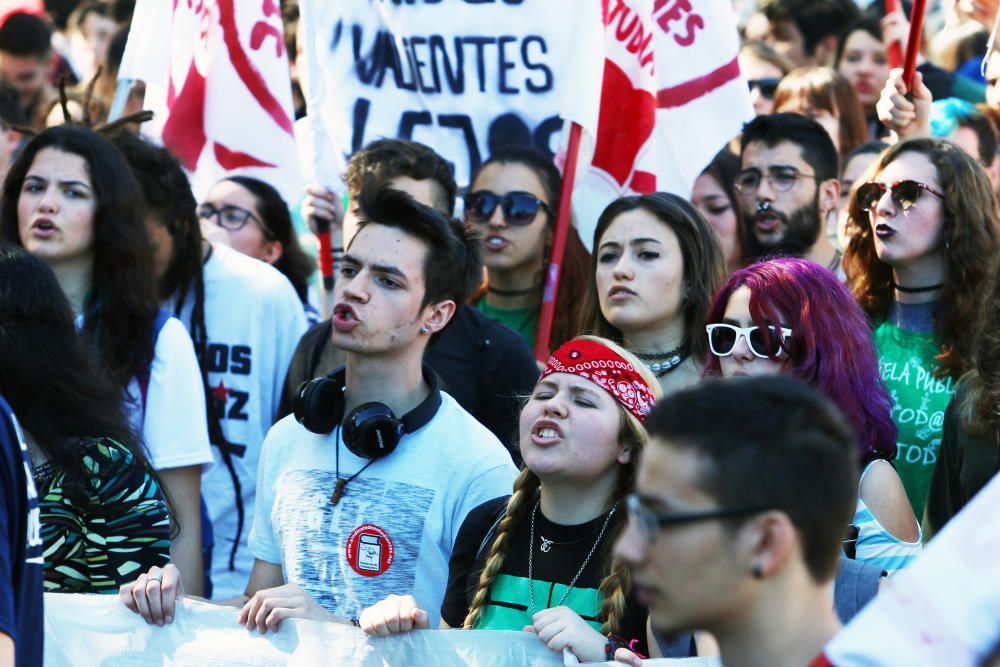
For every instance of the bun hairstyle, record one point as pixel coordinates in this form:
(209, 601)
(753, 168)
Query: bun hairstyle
(616, 582)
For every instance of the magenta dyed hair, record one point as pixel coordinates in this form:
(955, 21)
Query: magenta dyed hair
(830, 347)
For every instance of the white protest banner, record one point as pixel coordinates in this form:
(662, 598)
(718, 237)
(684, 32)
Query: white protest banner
(461, 76)
(942, 610)
(217, 78)
(92, 630)
(670, 97)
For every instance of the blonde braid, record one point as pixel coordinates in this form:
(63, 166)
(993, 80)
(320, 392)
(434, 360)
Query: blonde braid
(517, 507)
(614, 587)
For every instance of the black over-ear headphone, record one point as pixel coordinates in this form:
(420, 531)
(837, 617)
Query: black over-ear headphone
(371, 430)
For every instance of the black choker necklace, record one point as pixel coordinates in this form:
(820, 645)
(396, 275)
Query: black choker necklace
(916, 290)
(662, 363)
(510, 292)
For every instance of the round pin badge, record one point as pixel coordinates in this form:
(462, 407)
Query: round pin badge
(370, 551)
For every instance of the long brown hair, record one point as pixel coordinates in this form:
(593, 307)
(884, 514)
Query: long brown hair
(616, 582)
(969, 234)
(703, 265)
(824, 88)
(981, 411)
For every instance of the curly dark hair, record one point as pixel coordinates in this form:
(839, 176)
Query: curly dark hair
(970, 237)
(119, 312)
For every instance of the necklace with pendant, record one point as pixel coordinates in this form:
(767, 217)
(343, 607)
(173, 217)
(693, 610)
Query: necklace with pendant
(547, 544)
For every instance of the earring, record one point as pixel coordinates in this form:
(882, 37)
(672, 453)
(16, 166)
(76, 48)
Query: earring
(756, 571)
(424, 330)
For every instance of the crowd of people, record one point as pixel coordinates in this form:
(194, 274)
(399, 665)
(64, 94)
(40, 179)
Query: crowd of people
(763, 397)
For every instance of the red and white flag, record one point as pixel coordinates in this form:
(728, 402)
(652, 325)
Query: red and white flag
(669, 98)
(217, 78)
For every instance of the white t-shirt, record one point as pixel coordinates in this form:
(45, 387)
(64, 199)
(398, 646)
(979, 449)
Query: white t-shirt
(174, 429)
(253, 321)
(396, 523)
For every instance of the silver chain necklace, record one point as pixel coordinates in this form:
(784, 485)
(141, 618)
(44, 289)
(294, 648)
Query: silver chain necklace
(548, 543)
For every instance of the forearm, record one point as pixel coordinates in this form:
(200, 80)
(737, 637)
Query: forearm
(185, 553)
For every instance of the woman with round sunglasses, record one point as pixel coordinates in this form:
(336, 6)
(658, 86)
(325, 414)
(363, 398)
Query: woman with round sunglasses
(512, 202)
(656, 264)
(792, 316)
(927, 235)
(70, 199)
(540, 559)
(257, 223)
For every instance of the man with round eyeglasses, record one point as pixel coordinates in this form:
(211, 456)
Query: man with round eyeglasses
(788, 189)
(738, 518)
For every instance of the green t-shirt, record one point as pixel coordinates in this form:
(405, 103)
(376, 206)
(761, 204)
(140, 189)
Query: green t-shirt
(906, 362)
(522, 320)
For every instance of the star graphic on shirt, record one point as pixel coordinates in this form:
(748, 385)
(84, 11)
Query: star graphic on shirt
(221, 393)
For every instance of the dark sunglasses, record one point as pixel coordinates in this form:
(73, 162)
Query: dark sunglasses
(767, 87)
(904, 194)
(519, 208)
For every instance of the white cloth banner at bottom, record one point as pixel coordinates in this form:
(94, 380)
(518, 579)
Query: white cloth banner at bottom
(91, 630)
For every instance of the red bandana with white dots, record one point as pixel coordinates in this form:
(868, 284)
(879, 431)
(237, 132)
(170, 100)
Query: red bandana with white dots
(607, 369)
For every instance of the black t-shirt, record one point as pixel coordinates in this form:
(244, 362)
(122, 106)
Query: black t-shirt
(508, 605)
(20, 548)
(482, 364)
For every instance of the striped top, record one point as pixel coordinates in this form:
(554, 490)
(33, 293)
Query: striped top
(876, 546)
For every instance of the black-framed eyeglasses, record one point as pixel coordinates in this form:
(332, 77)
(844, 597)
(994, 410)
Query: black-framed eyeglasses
(231, 217)
(781, 177)
(767, 87)
(519, 208)
(649, 522)
(904, 194)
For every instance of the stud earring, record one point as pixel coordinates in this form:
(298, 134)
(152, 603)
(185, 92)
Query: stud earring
(424, 330)
(757, 572)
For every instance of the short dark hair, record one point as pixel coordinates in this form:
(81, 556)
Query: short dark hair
(986, 135)
(770, 442)
(817, 148)
(815, 19)
(385, 159)
(24, 34)
(453, 265)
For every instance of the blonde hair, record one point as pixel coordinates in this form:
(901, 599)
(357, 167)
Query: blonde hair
(617, 580)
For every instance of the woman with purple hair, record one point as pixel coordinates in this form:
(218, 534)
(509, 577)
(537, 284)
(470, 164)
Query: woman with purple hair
(794, 316)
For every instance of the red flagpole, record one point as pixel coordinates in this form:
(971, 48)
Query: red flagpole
(913, 43)
(558, 246)
(895, 49)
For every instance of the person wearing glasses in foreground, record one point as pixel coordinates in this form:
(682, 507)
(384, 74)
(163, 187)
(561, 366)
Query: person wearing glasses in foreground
(927, 236)
(735, 528)
(513, 202)
(788, 187)
(540, 560)
(793, 317)
(258, 224)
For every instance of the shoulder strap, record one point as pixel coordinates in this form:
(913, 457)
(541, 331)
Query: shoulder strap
(143, 376)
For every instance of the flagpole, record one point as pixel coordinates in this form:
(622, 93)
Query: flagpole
(558, 245)
(895, 49)
(913, 43)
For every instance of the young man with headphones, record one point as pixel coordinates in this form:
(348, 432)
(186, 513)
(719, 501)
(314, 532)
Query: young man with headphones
(354, 502)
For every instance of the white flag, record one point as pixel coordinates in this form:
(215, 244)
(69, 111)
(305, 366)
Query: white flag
(217, 78)
(657, 98)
